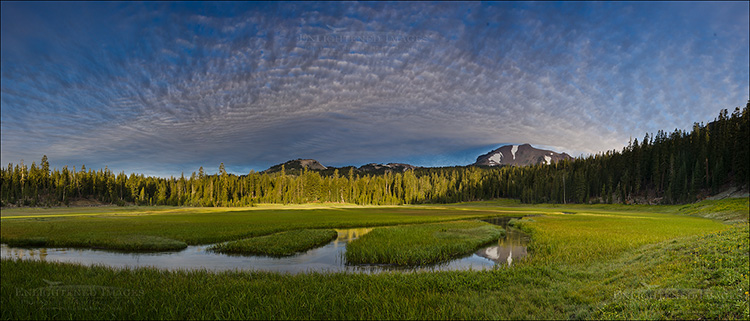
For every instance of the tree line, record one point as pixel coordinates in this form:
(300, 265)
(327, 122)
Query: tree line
(679, 167)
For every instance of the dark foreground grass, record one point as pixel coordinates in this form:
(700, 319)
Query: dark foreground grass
(128, 242)
(666, 280)
(75, 292)
(279, 244)
(421, 244)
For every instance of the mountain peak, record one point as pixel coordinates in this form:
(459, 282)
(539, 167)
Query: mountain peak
(520, 155)
(297, 164)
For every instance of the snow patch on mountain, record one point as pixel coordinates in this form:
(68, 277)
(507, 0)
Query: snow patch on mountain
(497, 158)
(522, 155)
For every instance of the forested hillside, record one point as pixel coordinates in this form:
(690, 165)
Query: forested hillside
(679, 167)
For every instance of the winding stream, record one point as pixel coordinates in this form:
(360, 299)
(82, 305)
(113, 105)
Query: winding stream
(327, 258)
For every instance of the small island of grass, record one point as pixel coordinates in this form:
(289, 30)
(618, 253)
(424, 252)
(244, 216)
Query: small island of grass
(279, 244)
(421, 244)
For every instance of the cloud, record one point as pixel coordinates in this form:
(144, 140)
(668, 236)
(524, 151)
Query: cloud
(167, 89)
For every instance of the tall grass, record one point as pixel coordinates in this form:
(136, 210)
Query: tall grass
(698, 277)
(657, 281)
(603, 262)
(587, 237)
(39, 290)
(732, 210)
(279, 244)
(126, 242)
(191, 226)
(421, 244)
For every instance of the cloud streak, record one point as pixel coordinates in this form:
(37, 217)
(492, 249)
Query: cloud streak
(164, 89)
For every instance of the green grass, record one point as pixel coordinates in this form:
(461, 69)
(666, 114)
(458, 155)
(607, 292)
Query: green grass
(587, 237)
(603, 262)
(697, 277)
(101, 228)
(656, 281)
(279, 244)
(421, 244)
(732, 210)
(153, 294)
(128, 242)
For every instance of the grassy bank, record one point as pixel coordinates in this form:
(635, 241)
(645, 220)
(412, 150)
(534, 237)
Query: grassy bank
(99, 228)
(587, 237)
(731, 210)
(603, 262)
(651, 281)
(698, 277)
(279, 244)
(421, 244)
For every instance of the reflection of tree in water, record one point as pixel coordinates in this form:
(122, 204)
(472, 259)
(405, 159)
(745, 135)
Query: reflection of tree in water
(350, 234)
(21, 253)
(509, 248)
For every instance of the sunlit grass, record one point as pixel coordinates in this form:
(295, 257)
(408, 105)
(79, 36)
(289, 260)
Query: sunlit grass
(279, 244)
(730, 210)
(193, 226)
(657, 281)
(421, 244)
(584, 238)
(603, 262)
(697, 277)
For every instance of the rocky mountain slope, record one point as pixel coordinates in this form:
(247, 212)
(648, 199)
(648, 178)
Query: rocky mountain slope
(297, 164)
(520, 155)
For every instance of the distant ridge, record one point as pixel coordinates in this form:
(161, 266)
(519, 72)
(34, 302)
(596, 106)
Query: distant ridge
(513, 155)
(520, 155)
(297, 164)
(395, 167)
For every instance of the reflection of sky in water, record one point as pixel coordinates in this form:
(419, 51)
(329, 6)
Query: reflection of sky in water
(329, 257)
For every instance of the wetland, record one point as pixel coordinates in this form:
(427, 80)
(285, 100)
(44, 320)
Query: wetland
(603, 262)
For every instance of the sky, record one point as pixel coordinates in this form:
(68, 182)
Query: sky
(164, 88)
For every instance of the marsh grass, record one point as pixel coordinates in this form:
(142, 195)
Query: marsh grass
(604, 262)
(127, 242)
(145, 293)
(421, 244)
(697, 277)
(656, 281)
(103, 229)
(28, 242)
(279, 244)
(731, 210)
(140, 243)
(584, 238)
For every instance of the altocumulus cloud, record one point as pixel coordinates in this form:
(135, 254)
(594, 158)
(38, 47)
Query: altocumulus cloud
(165, 88)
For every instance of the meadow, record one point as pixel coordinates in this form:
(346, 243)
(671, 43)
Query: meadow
(585, 262)
(174, 228)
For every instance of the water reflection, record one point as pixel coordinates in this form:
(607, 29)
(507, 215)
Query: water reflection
(327, 258)
(509, 248)
(350, 234)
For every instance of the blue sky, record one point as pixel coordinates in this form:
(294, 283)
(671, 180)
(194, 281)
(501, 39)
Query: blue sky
(163, 88)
